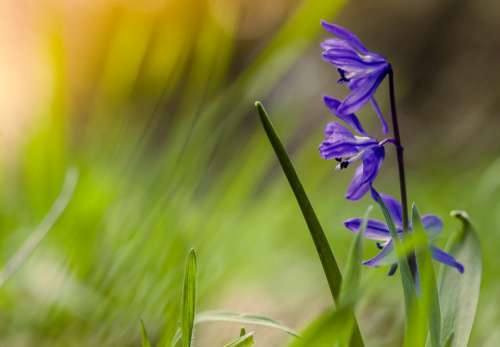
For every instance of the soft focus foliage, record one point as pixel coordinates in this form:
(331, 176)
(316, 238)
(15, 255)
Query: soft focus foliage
(152, 101)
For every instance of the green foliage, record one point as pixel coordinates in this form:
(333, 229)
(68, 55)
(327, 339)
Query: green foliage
(326, 256)
(144, 336)
(224, 316)
(327, 330)
(188, 307)
(426, 315)
(330, 266)
(459, 293)
(245, 340)
(406, 276)
(37, 236)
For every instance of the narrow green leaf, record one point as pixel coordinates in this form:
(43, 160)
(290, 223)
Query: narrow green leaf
(329, 329)
(330, 266)
(241, 318)
(325, 253)
(350, 284)
(37, 236)
(428, 301)
(188, 307)
(406, 276)
(459, 293)
(242, 341)
(144, 335)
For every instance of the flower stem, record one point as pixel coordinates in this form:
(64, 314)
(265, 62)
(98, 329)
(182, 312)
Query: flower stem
(401, 168)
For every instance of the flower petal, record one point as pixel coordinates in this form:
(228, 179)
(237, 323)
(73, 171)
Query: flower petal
(361, 93)
(337, 130)
(366, 173)
(395, 209)
(375, 230)
(350, 119)
(432, 223)
(358, 187)
(341, 143)
(385, 128)
(335, 43)
(372, 160)
(346, 35)
(445, 258)
(383, 257)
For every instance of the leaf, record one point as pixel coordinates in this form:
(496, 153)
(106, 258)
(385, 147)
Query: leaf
(242, 341)
(233, 317)
(225, 316)
(330, 266)
(144, 335)
(188, 307)
(406, 276)
(350, 285)
(37, 236)
(327, 330)
(459, 293)
(428, 303)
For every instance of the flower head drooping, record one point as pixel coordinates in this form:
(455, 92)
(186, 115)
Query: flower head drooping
(340, 144)
(379, 231)
(360, 69)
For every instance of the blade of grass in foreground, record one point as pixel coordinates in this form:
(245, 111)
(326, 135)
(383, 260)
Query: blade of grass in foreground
(350, 285)
(144, 336)
(330, 266)
(326, 330)
(406, 277)
(244, 340)
(232, 317)
(459, 293)
(428, 303)
(43, 228)
(188, 307)
(223, 316)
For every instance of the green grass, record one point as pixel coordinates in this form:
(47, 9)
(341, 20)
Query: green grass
(197, 171)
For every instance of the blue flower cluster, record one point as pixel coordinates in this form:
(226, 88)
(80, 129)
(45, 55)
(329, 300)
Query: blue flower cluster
(362, 71)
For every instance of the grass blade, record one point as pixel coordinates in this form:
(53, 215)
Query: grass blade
(458, 293)
(241, 318)
(406, 277)
(242, 341)
(350, 284)
(327, 330)
(428, 305)
(330, 266)
(144, 336)
(36, 237)
(188, 307)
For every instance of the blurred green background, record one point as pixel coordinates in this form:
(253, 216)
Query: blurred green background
(152, 101)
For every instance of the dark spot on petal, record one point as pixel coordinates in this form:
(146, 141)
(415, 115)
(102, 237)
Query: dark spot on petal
(344, 165)
(338, 159)
(379, 245)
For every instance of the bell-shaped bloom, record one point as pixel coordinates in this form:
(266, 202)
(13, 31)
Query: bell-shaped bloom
(350, 119)
(359, 68)
(342, 145)
(379, 231)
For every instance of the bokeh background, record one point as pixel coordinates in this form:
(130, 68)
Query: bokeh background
(152, 101)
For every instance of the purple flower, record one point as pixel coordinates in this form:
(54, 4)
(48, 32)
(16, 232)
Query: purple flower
(378, 231)
(340, 144)
(359, 68)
